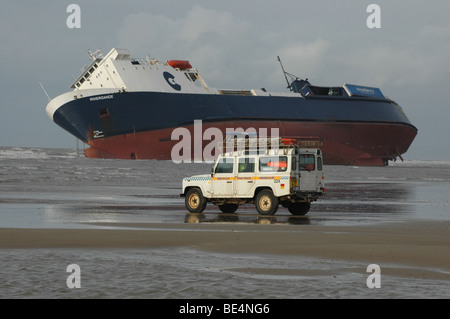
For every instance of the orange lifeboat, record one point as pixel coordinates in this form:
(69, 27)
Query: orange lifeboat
(180, 64)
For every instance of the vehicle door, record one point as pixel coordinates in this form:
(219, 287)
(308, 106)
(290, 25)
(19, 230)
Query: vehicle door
(245, 180)
(222, 181)
(308, 172)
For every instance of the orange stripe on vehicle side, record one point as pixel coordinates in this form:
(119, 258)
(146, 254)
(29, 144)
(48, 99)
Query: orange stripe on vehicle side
(244, 178)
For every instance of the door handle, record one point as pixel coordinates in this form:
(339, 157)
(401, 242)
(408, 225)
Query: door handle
(229, 182)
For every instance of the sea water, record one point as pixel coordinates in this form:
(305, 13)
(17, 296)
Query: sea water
(59, 188)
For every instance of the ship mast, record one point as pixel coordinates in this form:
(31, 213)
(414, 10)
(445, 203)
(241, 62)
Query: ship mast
(284, 72)
(295, 83)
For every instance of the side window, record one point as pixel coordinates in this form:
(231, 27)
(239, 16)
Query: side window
(307, 162)
(319, 163)
(273, 164)
(225, 165)
(294, 163)
(246, 165)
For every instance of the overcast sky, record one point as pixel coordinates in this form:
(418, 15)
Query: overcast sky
(234, 44)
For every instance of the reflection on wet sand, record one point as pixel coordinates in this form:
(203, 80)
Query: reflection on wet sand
(346, 203)
(354, 200)
(196, 218)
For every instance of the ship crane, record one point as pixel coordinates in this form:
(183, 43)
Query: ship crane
(294, 78)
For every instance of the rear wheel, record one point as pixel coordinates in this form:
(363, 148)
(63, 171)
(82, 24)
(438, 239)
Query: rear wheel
(299, 209)
(228, 208)
(194, 201)
(266, 203)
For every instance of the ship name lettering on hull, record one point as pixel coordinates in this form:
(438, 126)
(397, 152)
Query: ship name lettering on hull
(102, 97)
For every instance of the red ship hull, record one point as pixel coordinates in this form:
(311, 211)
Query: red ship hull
(344, 143)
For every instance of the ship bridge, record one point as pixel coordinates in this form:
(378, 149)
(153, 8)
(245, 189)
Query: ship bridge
(117, 70)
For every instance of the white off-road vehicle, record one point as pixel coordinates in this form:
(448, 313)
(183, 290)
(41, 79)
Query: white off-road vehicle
(288, 172)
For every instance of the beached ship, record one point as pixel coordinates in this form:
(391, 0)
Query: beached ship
(127, 108)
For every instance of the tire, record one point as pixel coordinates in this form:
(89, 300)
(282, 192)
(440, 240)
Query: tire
(299, 209)
(266, 203)
(194, 201)
(228, 208)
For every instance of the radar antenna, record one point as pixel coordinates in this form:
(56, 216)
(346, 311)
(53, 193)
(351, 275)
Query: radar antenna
(98, 54)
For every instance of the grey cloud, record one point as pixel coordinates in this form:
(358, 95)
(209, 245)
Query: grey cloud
(234, 44)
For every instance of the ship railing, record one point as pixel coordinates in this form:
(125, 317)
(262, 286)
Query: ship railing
(141, 61)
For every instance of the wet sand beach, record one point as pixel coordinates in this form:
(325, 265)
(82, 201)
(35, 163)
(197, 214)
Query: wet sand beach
(125, 225)
(411, 245)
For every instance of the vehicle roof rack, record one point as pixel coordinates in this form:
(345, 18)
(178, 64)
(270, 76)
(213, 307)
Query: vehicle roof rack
(250, 141)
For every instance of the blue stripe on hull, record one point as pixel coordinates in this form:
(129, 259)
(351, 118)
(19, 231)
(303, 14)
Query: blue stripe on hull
(144, 111)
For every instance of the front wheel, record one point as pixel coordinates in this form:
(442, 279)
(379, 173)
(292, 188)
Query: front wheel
(299, 209)
(194, 201)
(266, 203)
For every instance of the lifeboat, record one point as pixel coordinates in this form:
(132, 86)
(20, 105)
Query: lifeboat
(180, 64)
